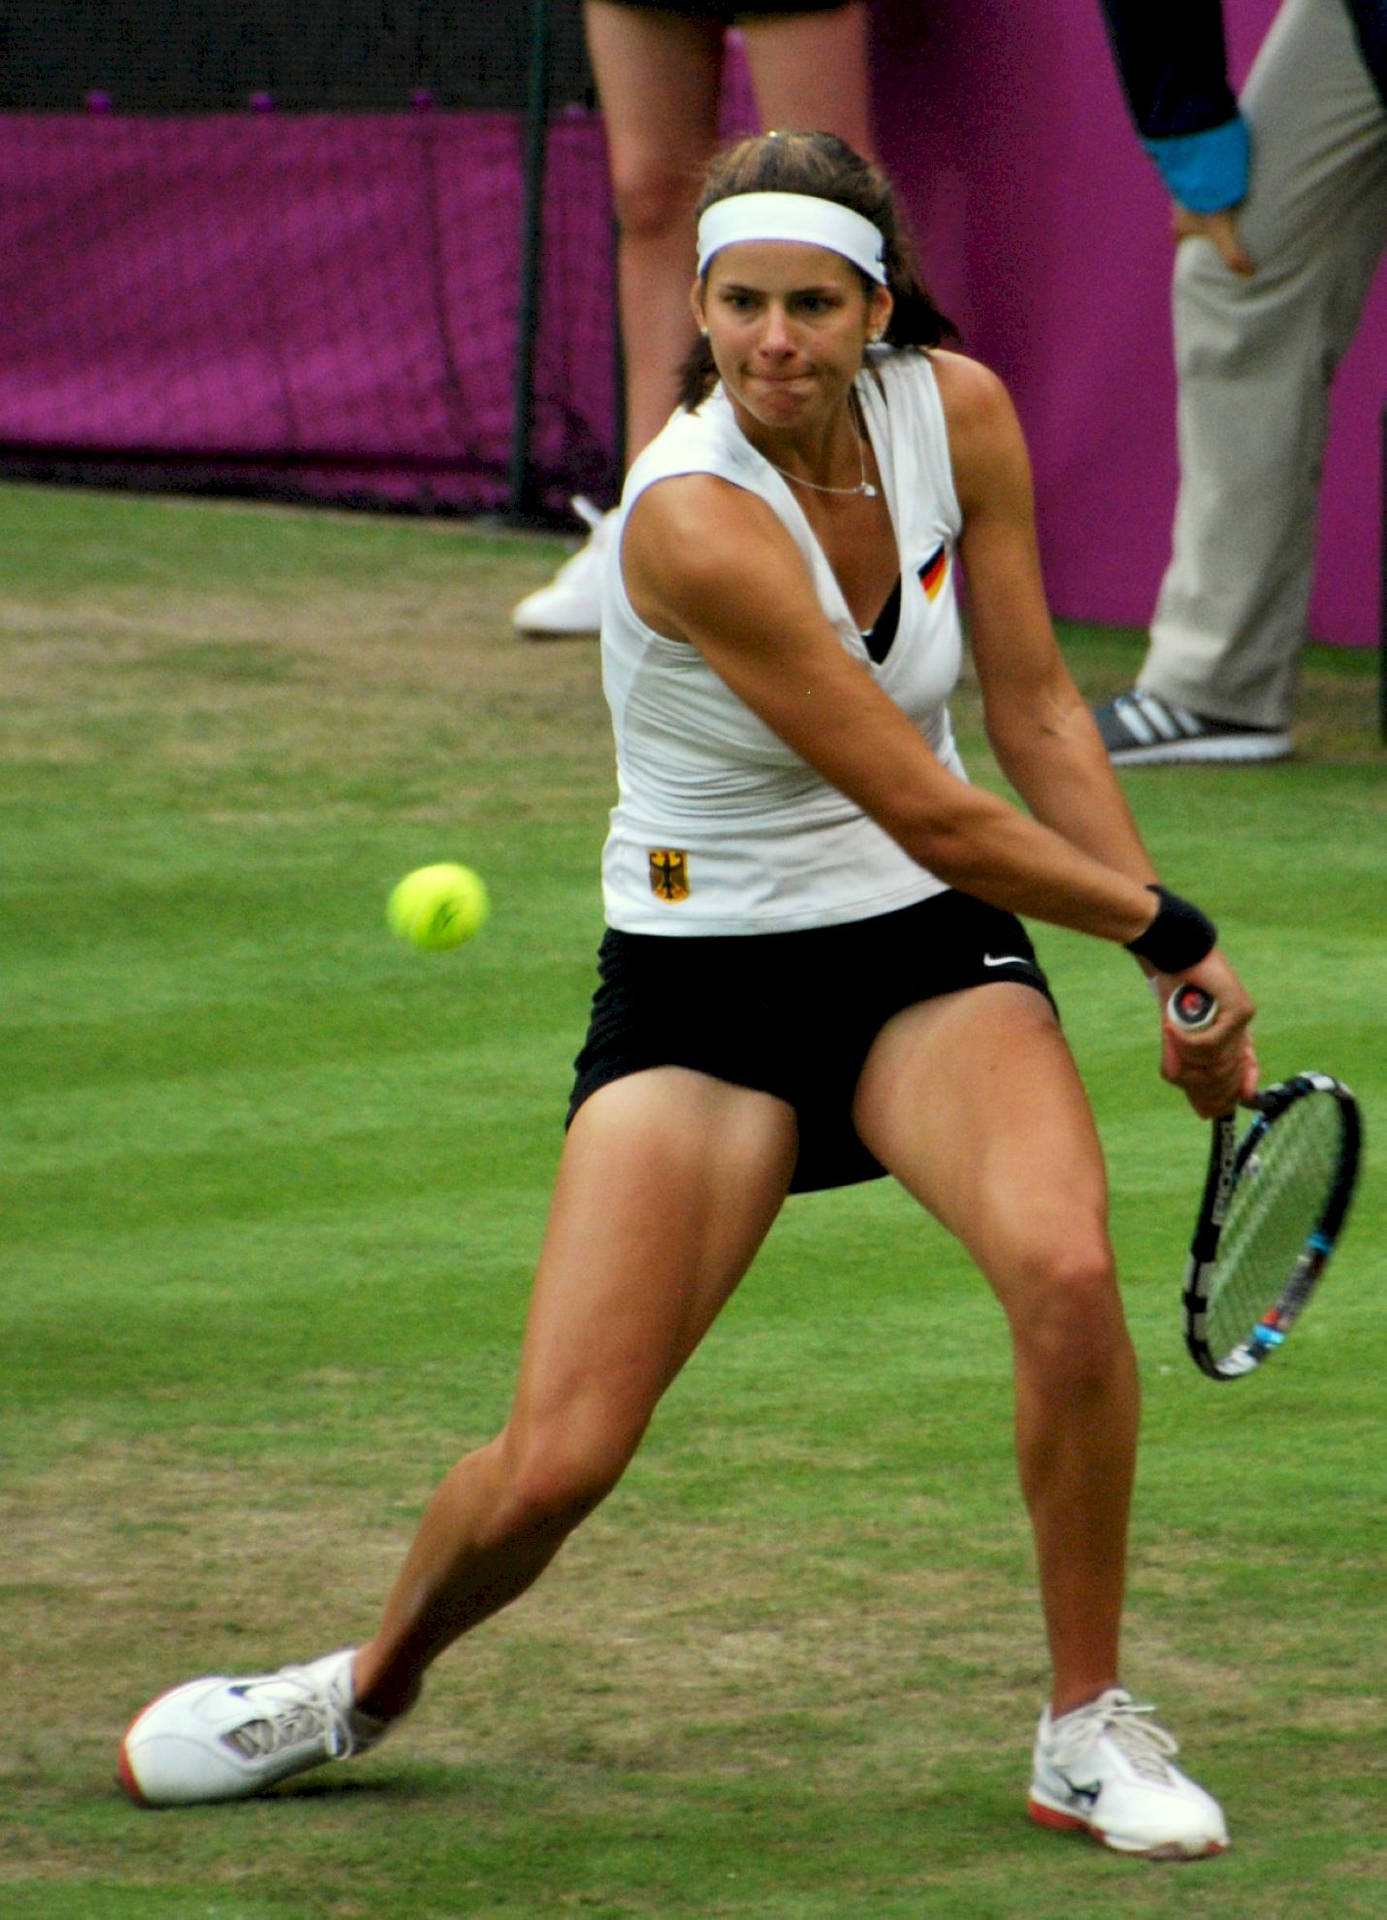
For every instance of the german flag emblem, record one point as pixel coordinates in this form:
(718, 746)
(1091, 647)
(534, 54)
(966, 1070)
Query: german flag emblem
(934, 572)
(669, 873)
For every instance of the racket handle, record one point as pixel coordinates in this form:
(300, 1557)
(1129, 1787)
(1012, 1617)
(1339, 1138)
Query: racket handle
(1191, 1009)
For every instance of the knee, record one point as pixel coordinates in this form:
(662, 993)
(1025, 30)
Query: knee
(651, 199)
(554, 1477)
(1066, 1315)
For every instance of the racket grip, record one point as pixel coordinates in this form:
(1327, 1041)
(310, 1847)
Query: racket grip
(1191, 1009)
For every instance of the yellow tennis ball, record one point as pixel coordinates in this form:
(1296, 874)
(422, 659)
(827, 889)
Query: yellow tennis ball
(438, 907)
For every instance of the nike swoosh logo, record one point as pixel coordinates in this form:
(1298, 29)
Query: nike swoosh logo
(1086, 1795)
(1004, 960)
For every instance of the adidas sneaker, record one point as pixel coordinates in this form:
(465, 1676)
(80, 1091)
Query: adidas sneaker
(1139, 729)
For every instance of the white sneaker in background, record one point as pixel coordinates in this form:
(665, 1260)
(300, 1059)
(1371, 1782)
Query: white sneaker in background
(1106, 1769)
(571, 604)
(224, 1739)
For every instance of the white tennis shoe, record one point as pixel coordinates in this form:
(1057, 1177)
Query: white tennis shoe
(1106, 1769)
(571, 604)
(226, 1739)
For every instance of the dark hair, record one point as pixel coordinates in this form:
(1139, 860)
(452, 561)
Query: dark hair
(822, 165)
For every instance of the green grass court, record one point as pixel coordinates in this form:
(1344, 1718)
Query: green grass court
(272, 1187)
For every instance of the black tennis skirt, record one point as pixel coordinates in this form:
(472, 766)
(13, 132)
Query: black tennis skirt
(792, 1014)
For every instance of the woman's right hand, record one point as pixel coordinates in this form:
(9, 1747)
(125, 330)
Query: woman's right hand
(1216, 1068)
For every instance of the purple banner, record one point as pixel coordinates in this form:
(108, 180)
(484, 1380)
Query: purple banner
(331, 300)
(334, 295)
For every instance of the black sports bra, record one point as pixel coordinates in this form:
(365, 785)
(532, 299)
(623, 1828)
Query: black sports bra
(878, 637)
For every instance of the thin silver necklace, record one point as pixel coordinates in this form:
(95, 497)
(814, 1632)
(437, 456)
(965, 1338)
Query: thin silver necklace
(864, 488)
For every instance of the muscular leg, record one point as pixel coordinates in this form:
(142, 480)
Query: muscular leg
(974, 1104)
(810, 73)
(657, 79)
(668, 1184)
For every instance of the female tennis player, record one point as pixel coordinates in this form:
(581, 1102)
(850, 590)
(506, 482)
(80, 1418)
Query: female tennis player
(813, 974)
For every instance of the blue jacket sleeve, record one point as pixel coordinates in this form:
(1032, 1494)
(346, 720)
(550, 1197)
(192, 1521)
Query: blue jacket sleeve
(1173, 65)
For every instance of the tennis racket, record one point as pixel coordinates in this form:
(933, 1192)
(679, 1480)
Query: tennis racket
(1273, 1205)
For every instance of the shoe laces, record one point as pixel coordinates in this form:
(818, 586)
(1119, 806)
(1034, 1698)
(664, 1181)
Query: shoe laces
(313, 1716)
(1117, 1716)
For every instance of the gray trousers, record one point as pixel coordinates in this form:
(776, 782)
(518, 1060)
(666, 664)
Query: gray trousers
(1255, 359)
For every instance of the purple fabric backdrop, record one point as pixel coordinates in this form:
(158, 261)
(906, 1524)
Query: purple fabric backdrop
(338, 295)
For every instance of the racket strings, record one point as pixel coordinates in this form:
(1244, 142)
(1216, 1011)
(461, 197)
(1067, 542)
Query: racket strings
(1277, 1205)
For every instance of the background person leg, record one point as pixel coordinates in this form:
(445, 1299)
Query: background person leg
(810, 73)
(657, 78)
(1255, 359)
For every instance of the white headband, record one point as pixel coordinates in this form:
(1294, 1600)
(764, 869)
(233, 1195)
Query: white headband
(792, 216)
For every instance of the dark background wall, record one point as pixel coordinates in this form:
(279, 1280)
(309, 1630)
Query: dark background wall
(203, 56)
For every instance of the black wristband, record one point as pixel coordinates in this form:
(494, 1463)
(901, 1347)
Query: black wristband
(1180, 936)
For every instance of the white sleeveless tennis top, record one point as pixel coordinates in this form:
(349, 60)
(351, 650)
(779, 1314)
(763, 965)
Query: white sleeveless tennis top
(719, 827)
